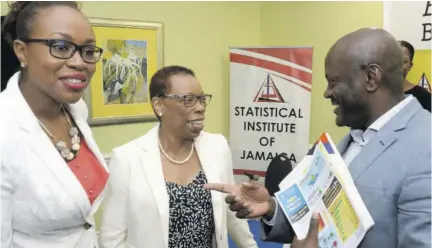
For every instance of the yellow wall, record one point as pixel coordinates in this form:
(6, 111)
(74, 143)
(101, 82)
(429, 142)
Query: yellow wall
(317, 24)
(198, 34)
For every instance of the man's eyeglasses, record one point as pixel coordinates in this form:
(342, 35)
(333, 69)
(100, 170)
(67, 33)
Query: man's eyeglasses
(63, 49)
(190, 100)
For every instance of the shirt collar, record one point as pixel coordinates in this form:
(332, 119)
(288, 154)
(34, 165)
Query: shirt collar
(361, 136)
(383, 119)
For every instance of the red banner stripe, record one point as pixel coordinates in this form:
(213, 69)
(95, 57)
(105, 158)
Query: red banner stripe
(283, 69)
(300, 85)
(300, 56)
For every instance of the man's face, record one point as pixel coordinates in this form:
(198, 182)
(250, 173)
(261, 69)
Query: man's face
(346, 90)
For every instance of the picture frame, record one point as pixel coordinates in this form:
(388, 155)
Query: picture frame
(119, 90)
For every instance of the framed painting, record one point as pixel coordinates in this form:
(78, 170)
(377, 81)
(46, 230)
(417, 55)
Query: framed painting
(119, 91)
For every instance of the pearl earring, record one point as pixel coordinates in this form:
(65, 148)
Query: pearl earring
(160, 114)
(23, 64)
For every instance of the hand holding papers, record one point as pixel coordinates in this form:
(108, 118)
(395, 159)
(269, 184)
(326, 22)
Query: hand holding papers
(322, 183)
(311, 240)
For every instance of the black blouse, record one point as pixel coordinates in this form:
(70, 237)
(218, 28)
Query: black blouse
(422, 95)
(191, 223)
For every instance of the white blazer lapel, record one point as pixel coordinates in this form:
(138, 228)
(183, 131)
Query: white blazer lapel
(212, 172)
(79, 113)
(39, 142)
(91, 143)
(86, 132)
(152, 165)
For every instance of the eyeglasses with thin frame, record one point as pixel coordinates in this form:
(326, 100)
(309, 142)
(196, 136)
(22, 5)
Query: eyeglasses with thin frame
(190, 100)
(63, 49)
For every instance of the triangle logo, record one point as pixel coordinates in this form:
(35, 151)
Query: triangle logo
(268, 92)
(424, 83)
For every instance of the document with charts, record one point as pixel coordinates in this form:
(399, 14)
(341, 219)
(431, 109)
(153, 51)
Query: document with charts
(322, 183)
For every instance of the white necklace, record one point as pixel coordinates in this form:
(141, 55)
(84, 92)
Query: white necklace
(61, 145)
(173, 160)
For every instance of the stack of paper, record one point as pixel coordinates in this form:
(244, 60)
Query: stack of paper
(322, 183)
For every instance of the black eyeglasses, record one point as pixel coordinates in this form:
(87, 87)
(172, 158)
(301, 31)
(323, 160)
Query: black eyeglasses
(190, 100)
(63, 49)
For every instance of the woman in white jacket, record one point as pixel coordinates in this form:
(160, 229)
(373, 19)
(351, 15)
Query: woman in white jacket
(52, 172)
(155, 196)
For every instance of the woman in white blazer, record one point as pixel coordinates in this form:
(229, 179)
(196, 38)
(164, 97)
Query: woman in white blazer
(52, 172)
(155, 197)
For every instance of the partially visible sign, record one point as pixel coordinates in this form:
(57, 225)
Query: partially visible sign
(410, 21)
(270, 106)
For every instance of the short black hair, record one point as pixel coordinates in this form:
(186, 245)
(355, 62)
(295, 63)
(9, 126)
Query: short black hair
(409, 47)
(159, 83)
(17, 23)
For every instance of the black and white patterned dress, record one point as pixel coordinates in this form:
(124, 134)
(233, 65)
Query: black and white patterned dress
(191, 223)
